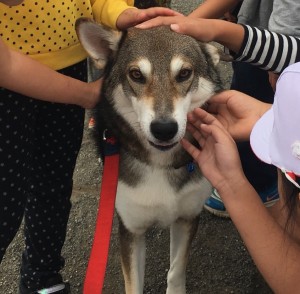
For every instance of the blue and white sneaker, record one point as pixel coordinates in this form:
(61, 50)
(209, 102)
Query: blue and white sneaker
(215, 205)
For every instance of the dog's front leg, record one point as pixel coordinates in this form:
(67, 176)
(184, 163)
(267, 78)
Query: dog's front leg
(181, 235)
(133, 250)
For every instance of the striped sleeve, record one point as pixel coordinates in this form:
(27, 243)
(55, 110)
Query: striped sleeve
(268, 50)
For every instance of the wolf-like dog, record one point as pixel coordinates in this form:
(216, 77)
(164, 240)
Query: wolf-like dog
(152, 79)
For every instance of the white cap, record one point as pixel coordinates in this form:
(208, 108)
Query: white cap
(275, 138)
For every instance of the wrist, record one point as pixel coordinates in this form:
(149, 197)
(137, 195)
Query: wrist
(230, 187)
(229, 34)
(81, 94)
(126, 18)
(94, 95)
(240, 199)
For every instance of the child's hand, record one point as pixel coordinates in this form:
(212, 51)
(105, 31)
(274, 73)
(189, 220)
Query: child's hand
(217, 156)
(199, 28)
(237, 112)
(132, 16)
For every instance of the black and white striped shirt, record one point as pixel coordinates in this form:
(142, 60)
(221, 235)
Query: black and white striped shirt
(268, 50)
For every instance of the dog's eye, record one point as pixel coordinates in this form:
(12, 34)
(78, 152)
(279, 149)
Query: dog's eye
(184, 75)
(137, 76)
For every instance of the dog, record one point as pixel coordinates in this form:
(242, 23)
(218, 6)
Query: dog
(152, 79)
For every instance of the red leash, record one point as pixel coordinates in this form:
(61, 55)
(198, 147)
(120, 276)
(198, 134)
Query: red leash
(95, 273)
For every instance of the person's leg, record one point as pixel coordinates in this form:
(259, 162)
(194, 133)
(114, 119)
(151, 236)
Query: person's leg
(254, 82)
(58, 137)
(16, 133)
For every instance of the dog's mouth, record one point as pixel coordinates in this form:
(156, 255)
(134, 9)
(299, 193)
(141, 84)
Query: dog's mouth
(163, 147)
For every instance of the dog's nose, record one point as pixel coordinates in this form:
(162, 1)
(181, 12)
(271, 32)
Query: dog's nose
(163, 129)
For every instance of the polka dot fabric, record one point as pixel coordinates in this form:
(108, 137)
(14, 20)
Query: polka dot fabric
(45, 29)
(39, 144)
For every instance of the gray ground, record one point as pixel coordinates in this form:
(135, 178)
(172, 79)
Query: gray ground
(219, 262)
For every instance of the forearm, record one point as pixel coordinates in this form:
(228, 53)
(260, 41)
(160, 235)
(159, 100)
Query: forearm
(229, 34)
(214, 8)
(268, 50)
(275, 254)
(21, 74)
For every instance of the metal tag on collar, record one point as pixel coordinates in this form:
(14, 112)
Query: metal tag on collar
(111, 145)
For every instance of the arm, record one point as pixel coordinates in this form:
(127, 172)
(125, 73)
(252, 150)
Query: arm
(274, 252)
(214, 8)
(24, 75)
(268, 50)
(133, 16)
(229, 34)
(121, 14)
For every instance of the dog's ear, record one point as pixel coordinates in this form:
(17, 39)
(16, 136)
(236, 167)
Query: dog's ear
(217, 54)
(98, 40)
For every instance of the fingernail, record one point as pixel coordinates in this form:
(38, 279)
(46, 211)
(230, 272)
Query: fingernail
(174, 27)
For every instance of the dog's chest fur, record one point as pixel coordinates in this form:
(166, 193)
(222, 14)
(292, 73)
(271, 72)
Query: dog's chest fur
(159, 196)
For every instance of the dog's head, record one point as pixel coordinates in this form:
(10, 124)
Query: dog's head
(152, 77)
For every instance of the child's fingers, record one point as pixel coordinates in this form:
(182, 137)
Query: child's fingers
(199, 136)
(191, 149)
(161, 11)
(158, 21)
(203, 116)
(219, 134)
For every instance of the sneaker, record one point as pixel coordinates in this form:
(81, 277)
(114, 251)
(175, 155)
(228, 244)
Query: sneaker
(215, 205)
(62, 288)
(51, 287)
(92, 123)
(270, 196)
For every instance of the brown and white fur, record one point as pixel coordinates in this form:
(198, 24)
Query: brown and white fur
(152, 79)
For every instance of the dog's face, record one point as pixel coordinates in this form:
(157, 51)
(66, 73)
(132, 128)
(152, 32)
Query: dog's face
(155, 77)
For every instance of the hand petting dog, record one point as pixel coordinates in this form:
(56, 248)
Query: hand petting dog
(133, 16)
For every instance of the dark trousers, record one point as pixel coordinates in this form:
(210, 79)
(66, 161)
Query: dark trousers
(39, 144)
(254, 82)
